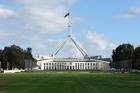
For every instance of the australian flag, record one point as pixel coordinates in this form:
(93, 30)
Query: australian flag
(67, 15)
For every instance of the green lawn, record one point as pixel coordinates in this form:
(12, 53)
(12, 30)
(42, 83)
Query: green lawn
(74, 82)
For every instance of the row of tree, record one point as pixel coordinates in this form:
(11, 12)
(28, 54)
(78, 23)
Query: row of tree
(126, 57)
(14, 57)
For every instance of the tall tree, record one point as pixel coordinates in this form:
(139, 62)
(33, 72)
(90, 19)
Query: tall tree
(136, 59)
(122, 56)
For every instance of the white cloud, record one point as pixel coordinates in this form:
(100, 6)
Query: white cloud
(99, 45)
(97, 40)
(135, 10)
(46, 16)
(5, 12)
(131, 13)
(125, 16)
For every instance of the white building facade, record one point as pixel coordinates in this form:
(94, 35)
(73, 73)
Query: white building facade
(71, 64)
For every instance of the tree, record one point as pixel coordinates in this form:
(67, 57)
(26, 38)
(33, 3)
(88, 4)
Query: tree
(15, 56)
(122, 56)
(136, 59)
(3, 60)
(28, 54)
(30, 62)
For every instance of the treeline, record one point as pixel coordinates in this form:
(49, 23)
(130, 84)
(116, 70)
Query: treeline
(126, 57)
(14, 57)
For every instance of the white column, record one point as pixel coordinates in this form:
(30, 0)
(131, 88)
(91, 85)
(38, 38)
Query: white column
(42, 66)
(62, 64)
(51, 65)
(84, 66)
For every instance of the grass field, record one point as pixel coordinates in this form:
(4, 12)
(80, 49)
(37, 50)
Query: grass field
(43, 82)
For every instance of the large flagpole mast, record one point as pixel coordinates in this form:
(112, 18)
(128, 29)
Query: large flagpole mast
(69, 25)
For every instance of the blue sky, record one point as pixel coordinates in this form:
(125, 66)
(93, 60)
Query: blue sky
(98, 25)
(102, 17)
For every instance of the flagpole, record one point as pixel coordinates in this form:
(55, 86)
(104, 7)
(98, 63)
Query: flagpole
(69, 26)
